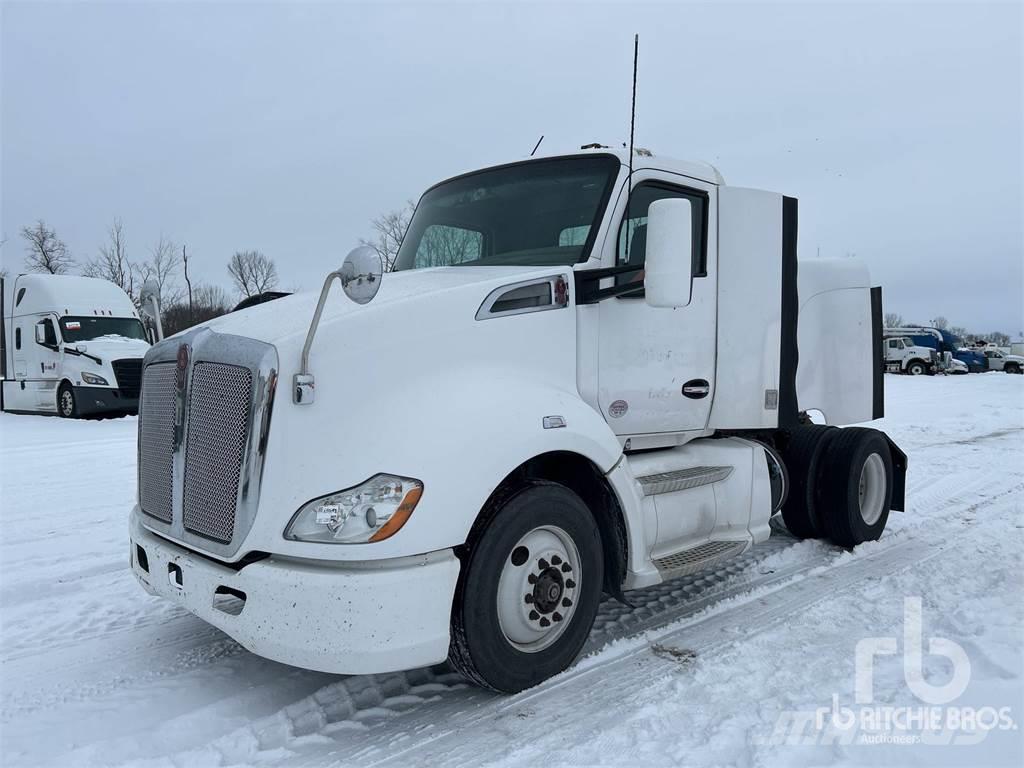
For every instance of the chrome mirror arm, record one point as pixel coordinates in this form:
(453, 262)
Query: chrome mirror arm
(304, 385)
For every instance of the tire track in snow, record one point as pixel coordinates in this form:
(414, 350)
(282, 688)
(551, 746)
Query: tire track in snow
(359, 736)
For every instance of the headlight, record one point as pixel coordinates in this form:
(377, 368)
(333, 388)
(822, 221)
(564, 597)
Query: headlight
(371, 511)
(92, 378)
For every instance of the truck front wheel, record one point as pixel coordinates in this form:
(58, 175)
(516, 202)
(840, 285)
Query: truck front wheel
(917, 368)
(529, 589)
(856, 487)
(67, 406)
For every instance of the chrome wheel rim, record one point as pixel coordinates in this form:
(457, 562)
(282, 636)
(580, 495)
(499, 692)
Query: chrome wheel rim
(871, 489)
(67, 403)
(538, 588)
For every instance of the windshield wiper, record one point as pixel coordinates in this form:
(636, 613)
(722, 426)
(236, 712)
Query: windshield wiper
(73, 351)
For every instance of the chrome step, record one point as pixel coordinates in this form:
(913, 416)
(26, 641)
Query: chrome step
(682, 479)
(692, 560)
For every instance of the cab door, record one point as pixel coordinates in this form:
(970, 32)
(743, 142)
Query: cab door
(48, 359)
(656, 367)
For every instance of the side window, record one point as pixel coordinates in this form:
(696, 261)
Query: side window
(893, 344)
(17, 338)
(632, 248)
(21, 295)
(443, 245)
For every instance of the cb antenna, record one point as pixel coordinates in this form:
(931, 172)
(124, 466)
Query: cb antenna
(632, 124)
(537, 145)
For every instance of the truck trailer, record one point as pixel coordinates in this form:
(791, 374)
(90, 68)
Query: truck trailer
(72, 346)
(587, 374)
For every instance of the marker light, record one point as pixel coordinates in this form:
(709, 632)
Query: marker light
(369, 512)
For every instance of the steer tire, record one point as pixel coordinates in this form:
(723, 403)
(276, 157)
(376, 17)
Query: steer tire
(1012, 368)
(855, 497)
(917, 368)
(802, 454)
(67, 403)
(480, 647)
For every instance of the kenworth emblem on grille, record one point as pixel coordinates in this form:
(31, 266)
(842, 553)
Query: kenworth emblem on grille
(182, 367)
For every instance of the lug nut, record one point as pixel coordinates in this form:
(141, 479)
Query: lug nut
(570, 584)
(566, 602)
(556, 560)
(556, 616)
(542, 564)
(566, 567)
(529, 598)
(544, 622)
(532, 579)
(534, 615)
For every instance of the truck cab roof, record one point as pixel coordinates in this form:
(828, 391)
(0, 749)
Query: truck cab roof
(642, 159)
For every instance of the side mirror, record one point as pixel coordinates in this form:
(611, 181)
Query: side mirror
(361, 274)
(668, 271)
(149, 301)
(40, 333)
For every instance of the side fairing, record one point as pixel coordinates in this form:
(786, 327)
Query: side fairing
(836, 374)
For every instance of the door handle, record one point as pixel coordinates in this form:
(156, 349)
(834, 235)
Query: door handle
(695, 389)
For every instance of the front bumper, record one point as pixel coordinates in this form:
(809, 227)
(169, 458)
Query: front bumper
(93, 400)
(350, 618)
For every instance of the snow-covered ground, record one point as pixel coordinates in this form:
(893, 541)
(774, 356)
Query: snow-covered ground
(734, 667)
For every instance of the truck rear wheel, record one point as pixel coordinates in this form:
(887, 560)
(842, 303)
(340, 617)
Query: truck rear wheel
(856, 488)
(802, 454)
(529, 589)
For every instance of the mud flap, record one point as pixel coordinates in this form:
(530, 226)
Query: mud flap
(899, 475)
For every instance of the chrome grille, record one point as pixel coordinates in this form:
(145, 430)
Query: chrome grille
(218, 432)
(156, 442)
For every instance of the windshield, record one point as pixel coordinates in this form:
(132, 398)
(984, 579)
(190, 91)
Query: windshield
(537, 213)
(86, 328)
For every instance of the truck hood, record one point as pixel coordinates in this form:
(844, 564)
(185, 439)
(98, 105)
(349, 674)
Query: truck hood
(113, 347)
(288, 318)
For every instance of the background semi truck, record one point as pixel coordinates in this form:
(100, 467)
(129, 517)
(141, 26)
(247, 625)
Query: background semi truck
(72, 346)
(943, 342)
(588, 374)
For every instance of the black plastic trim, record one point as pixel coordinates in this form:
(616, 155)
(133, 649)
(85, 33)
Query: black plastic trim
(878, 355)
(789, 355)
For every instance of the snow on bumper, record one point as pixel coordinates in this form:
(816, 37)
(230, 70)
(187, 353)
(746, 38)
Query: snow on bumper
(351, 618)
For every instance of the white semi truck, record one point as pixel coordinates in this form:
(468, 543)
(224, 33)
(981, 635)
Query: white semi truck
(581, 378)
(72, 346)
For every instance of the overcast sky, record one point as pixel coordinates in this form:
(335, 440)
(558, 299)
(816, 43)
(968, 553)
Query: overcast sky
(288, 127)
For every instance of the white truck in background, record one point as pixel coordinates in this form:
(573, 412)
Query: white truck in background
(72, 346)
(588, 374)
(903, 356)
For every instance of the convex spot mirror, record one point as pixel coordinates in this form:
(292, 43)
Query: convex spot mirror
(361, 274)
(668, 268)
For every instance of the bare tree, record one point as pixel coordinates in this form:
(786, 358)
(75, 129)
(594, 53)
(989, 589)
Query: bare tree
(188, 282)
(45, 252)
(161, 268)
(252, 272)
(893, 320)
(112, 262)
(999, 338)
(940, 322)
(390, 228)
(208, 302)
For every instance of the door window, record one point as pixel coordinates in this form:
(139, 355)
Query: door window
(632, 247)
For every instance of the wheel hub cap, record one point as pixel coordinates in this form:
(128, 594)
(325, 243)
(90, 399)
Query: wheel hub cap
(537, 588)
